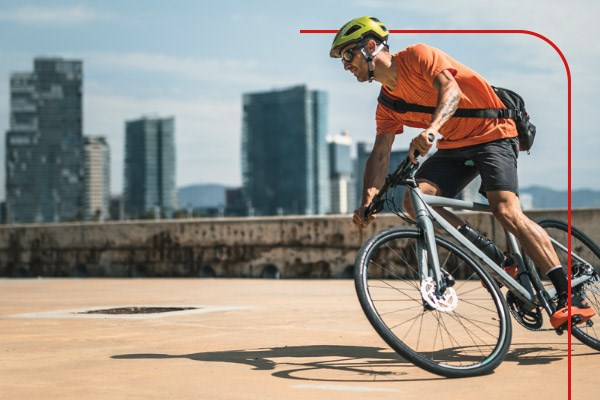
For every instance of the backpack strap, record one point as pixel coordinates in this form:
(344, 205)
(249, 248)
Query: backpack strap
(402, 107)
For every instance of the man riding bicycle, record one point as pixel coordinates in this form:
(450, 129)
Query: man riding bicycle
(468, 147)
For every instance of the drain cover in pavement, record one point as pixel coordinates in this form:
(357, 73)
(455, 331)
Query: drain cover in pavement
(138, 310)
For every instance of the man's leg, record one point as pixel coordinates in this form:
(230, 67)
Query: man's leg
(536, 243)
(534, 239)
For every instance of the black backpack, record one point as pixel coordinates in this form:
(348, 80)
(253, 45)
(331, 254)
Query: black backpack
(515, 109)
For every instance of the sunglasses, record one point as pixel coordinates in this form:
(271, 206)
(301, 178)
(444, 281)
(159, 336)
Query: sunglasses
(348, 55)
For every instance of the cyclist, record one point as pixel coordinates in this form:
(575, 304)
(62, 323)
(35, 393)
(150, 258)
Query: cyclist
(468, 146)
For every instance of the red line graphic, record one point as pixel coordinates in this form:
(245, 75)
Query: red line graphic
(569, 120)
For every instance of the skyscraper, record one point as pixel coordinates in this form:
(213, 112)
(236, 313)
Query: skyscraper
(44, 163)
(340, 173)
(284, 153)
(150, 167)
(96, 177)
(363, 150)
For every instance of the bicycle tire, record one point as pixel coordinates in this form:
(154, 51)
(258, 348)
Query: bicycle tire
(587, 249)
(387, 284)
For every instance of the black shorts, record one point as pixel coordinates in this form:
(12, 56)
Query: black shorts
(453, 169)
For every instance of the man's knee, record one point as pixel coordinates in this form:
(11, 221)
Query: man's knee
(508, 213)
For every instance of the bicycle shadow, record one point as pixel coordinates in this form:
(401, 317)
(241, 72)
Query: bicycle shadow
(358, 363)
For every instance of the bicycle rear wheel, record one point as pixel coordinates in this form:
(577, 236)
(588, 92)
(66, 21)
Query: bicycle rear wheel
(585, 260)
(470, 339)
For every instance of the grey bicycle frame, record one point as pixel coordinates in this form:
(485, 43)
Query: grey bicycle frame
(426, 215)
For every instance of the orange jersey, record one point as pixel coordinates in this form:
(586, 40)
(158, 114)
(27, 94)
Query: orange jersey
(417, 66)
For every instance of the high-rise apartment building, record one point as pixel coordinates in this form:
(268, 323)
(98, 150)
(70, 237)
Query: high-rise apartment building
(284, 152)
(150, 185)
(96, 178)
(44, 155)
(340, 173)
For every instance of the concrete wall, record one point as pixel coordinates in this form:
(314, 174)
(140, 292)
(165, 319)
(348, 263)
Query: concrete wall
(289, 247)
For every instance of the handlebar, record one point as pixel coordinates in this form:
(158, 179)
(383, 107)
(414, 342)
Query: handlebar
(402, 171)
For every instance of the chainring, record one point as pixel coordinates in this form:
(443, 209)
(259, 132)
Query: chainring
(531, 320)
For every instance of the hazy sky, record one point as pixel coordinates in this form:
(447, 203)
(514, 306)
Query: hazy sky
(194, 59)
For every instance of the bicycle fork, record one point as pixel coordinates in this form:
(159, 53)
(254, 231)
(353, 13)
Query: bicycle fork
(427, 255)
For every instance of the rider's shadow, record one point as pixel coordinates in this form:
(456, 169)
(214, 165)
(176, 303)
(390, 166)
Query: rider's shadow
(360, 364)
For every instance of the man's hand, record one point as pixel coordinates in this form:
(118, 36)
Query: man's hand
(421, 144)
(358, 218)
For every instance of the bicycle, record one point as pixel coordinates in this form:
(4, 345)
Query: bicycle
(436, 300)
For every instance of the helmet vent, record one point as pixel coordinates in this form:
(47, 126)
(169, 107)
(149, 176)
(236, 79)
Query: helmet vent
(352, 30)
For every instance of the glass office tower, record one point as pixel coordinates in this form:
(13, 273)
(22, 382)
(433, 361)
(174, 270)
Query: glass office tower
(44, 154)
(150, 185)
(285, 165)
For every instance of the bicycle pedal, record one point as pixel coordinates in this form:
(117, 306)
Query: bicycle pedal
(559, 331)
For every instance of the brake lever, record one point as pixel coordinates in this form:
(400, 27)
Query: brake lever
(374, 207)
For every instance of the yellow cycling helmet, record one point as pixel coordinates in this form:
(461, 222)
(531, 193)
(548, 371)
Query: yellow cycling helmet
(356, 31)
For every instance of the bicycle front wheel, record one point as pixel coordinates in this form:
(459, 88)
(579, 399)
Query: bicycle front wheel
(585, 259)
(467, 334)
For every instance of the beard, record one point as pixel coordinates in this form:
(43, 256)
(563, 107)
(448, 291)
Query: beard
(361, 76)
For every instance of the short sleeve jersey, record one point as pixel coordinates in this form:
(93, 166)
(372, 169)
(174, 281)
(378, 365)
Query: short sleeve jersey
(417, 67)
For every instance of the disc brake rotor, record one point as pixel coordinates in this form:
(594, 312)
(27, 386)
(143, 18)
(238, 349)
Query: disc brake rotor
(593, 284)
(445, 303)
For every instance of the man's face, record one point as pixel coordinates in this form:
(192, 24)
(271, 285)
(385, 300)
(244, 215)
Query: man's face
(358, 66)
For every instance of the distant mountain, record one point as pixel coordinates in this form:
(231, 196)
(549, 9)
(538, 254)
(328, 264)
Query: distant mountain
(548, 198)
(202, 196)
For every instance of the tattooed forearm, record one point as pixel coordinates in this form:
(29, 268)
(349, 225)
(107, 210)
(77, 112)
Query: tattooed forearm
(447, 104)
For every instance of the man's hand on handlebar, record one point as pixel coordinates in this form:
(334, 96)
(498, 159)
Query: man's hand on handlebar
(358, 218)
(421, 144)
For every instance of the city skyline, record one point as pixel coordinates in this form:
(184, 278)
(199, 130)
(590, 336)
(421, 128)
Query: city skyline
(158, 60)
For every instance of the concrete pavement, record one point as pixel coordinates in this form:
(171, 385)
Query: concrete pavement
(247, 339)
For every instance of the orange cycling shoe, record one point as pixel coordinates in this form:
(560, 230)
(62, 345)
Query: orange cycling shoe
(579, 308)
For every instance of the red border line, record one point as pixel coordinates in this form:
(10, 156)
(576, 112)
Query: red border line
(569, 120)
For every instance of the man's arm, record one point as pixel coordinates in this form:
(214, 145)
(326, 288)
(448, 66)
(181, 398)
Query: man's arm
(375, 172)
(448, 97)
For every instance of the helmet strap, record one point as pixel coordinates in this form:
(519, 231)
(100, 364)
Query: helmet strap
(370, 58)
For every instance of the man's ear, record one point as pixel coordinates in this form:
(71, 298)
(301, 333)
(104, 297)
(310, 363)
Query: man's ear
(370, 46)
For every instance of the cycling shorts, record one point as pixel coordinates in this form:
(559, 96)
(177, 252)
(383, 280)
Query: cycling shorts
(453, 169)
